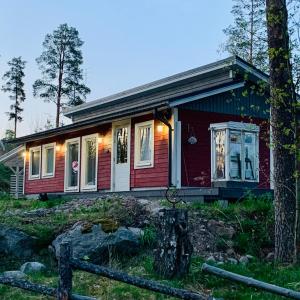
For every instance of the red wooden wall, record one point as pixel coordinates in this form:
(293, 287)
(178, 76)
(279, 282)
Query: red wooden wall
(196, 159)
(157, 176)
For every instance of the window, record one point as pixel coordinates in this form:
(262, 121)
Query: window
(144, 145)
(89, 162)
(48, 161)
(72, 165)
(34, 162)
(122, 147)
(234, 151)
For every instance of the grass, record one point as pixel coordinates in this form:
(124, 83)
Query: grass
(141, 265)
(252, 218)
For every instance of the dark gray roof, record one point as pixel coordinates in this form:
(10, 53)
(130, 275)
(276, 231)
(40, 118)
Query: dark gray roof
(167, 81)
(158, 94)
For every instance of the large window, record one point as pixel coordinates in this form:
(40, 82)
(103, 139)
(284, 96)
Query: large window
(144, 144)
(89, 162)
(48, 161)
(34, 162)
(72, 165)
(234, 151)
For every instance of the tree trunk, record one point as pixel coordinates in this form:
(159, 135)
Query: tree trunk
(251, 32)
(282, 120)
(173, 254)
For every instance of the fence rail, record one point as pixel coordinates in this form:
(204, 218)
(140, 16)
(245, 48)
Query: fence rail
(66, 265)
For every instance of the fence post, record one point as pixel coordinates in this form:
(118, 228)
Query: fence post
(64, 290)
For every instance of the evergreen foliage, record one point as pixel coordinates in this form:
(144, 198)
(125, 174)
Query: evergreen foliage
(60, 64)
(14, 85)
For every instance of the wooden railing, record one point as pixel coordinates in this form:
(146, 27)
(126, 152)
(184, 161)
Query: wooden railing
(66, 265)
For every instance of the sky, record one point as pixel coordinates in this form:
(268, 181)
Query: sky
(126, 43)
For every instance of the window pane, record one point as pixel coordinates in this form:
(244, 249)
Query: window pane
(49, 160)
(35, 162)
(90, 162)
(73, 165)
(235, 155)
(250, 150)
(122, 140)
(145, 143)
(220, 154)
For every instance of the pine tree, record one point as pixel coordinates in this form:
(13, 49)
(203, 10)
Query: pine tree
(283, 117)
(247, 37)
(14, 85)
(62, 79)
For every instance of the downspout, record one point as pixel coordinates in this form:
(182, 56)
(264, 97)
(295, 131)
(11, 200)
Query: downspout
(160, 117)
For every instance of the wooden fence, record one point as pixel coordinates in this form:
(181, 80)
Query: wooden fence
(66, 265)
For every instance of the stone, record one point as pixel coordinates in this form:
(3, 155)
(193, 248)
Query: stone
(250, 257)
(244, 260)
(136, 231)
(14, 242)
(232, 261)
(15, 274)
(270, 257)
(230, 252)
(211, 259)
(97, 246)
(225, 232)
(32, 267)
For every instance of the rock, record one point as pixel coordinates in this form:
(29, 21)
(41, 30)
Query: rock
(15, 274)
(270, 257)
(219, 228)
(230, 252)
(211, 259)
(250, 257)
(232, 261)
(220, 263)
(244, 260)
(16, 243)
(96, 245)
(32, 267)
(143, 202)
(136, 231)
(225, 232)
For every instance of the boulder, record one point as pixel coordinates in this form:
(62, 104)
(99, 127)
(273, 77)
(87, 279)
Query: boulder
(232, 261)
(14, 242)
(96, 245)
(15, 274)
(244, 260)
(218, 228)
(32, 267)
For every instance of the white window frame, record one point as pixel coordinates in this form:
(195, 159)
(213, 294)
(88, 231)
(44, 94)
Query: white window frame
(138, 164)
(37, 176)
(67, 142)
(44, 160)
(83, 166)
(242, 128)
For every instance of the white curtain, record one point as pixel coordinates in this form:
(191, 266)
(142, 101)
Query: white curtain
(145, 147)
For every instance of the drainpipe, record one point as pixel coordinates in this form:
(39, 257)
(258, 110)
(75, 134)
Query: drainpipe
(159, 116)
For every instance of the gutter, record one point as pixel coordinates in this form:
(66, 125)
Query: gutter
(159, 116)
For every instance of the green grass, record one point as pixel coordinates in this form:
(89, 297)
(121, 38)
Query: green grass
(141, 265)
(252, 218)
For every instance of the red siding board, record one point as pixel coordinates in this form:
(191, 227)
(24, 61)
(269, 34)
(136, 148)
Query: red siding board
(196, 165)
(157, 176)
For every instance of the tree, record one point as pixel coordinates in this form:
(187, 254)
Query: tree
(283, 120)
(60, 62)
(14, 85)
(247, 37)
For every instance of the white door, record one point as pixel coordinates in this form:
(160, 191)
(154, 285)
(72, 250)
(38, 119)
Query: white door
(121, 158)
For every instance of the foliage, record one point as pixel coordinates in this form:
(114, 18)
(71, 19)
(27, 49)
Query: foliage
(253, 217)
(148, 239)
(5, 173)
(14, 85)
(62, 76)
(247, 37)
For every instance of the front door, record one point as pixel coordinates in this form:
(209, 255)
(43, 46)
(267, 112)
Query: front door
(121, 158)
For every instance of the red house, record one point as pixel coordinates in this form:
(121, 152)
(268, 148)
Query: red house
(204, 131)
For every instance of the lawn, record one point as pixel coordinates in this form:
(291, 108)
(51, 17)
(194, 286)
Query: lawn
(248, 215)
